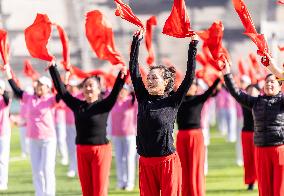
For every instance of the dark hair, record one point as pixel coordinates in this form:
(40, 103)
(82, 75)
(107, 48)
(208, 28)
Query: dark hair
(268, 75)
(169, 73)
(253, 86)
(96, 78)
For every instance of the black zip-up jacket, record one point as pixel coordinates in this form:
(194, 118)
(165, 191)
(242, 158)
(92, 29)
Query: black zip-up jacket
(157, 114)
(268, 114)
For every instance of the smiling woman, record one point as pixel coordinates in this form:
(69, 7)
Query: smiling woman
(268, 115)
(160, 80)
(157, 110)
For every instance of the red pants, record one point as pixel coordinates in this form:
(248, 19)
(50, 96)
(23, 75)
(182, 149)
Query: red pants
(160, 174)
(94, 163)
(248, 154)
(270, 170)
(191, 150)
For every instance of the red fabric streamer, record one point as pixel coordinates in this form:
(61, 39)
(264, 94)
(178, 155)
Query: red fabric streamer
(245, 16)
(281, 48)
(65, 47)
(29, 71)
(178, 24)
(124, 11)
(254, 62)
(4, 47)
(201, 59)
(250, 30)
(213, 38)
(148, 39)
(101, 38)
(242, 69)
(37, 36)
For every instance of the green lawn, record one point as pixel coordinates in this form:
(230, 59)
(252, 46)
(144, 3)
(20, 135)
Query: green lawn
(224, 178)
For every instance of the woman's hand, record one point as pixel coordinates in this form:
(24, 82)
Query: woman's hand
(8, 72)
(227, 67)
(123, 70)
(194, 37)
(139, 34)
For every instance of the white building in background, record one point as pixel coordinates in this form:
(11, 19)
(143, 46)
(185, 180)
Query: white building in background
(18, 14)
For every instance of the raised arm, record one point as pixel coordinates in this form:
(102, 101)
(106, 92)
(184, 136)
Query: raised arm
(6, 97)
(140, 90)
(72, 102)
(270, 64)
(189, 75)
(16, 89)
(208, 93)
(110, 100)
(240, 96)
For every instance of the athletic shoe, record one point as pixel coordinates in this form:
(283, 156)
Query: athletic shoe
(71, 174)
(3, 187)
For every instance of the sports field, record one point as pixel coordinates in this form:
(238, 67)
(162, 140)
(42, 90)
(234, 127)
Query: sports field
(224, 177)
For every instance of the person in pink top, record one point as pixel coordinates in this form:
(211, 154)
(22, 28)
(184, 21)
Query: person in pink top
(5, 135)
(22, 128)
(60, 126)
(72, 87)
(40, 131)
(227, 114)
(124, 122)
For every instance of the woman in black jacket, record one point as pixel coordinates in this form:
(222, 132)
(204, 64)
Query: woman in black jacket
(268, 115)
(159, 164)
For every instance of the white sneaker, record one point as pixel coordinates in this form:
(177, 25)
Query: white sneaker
(129, 188)
(3, 187)
(240, 163)
(71, 174)
(64, 161)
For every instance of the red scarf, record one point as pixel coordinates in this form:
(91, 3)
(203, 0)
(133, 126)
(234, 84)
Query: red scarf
(178, 24)
(29, 71)
(242, 69)
(281, 48)
(101, 38)
(4, 47)
(148, 39)
(65, 47)
(124, 11)
(37, 36)
(250, 30)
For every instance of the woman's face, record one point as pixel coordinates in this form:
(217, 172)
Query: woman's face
(41, 89)
(271, 86)
(91, 90)
(156, 84)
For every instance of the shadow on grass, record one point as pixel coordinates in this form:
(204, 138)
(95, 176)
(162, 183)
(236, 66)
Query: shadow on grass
(222, 191)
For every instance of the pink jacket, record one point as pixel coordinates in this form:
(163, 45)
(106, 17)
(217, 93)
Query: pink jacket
(124, 117)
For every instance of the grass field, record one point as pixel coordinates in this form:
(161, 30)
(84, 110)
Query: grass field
(224, 177)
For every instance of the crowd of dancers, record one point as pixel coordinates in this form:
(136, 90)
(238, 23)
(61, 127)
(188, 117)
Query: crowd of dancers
(84, 119)
(79, 122)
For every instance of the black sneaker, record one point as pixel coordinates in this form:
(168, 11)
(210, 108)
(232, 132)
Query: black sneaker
(250, 187)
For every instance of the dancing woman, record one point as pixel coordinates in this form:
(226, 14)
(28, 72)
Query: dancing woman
(159, 164)
(268, 115)
(40, 131)
(93, 147)
(247, 140)
(190, 140)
